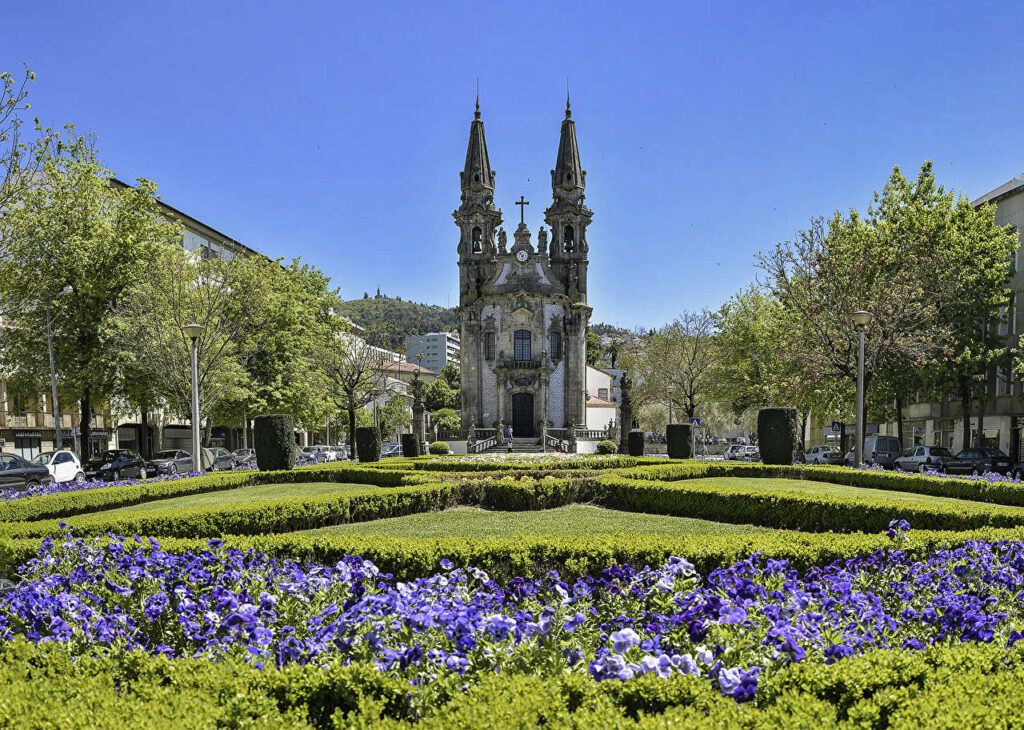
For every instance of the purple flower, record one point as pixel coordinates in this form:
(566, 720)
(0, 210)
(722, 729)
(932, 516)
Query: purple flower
(623, 641)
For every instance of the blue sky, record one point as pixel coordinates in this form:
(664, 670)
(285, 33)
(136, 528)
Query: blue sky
(335, 131)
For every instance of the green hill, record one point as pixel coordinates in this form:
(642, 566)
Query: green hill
(389, 321)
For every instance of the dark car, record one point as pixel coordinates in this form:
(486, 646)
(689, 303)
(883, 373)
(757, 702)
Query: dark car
(110, 466)
(18, 473)
(171, 461)
(222, 459)
(978, 460)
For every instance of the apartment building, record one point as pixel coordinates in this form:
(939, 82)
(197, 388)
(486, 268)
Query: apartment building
(436, 348)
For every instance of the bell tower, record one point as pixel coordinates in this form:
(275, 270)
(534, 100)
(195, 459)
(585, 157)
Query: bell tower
(568, 216)
(477, 217)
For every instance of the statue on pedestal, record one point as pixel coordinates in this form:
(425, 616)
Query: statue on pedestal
(625, 412)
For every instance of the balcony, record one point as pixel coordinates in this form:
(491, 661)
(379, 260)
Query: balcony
(509, 364)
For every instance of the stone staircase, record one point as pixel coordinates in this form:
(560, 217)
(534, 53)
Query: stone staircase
(519, 446)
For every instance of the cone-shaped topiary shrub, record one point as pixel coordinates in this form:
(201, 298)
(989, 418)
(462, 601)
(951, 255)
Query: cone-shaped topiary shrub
(440, 448)
(777, 436)
(678, 436)
(636, 443)
(273, 439)
(410, 445)
(368, 443)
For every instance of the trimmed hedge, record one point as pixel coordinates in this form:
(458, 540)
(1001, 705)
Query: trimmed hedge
(606, 447)
(410, 445)
(777, 435)
(679, 438)
(1007, 493)
(794, 510)
(957, 686)
(273, 439)
(368, 443)
(440, 448)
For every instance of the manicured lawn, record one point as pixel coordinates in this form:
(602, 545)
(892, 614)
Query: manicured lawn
(574, 520)
(257, 493)
(803, 486)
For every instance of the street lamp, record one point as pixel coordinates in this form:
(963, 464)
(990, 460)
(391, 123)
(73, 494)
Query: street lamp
(670, 399)
(59, 436)
(861, 320)
(192, 331)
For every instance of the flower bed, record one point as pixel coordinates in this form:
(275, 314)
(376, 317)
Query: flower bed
(730, 629)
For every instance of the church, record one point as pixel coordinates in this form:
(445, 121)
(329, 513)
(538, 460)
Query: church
(523, 310)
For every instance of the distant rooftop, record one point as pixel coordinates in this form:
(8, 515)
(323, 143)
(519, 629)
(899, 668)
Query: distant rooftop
(1003, 191)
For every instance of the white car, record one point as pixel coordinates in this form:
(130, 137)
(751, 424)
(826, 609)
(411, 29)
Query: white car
(63, 465)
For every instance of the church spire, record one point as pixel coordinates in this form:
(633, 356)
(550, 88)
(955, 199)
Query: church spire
(477, 175)
(568, 176)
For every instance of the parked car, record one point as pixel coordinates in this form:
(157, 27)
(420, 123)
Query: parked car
(390, 450)
(242, 456)
(823, 455)
(19, 473)
(116, 464)
(735, 452)
(222, 459)
(978, 460)
(170, 461)
(923, 458)
(751, 453)
(880, 450)
(62, 465)
(316, 454)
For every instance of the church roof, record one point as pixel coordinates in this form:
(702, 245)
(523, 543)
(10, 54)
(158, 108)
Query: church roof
(477, 160)
(568, 172)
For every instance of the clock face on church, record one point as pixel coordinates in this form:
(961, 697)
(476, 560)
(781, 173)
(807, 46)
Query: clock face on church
(522, 256)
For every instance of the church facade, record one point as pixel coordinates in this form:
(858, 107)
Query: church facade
(523, 310)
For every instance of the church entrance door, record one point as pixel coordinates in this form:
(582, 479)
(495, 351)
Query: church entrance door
(522, 415)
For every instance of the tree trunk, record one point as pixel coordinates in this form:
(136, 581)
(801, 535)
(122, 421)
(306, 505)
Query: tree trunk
(85, 406)
(803, 431)
(245, 428)
(965, 408)
(207, 433)
(899, 422)
(351, 433)
(144, 447)
(981, 419)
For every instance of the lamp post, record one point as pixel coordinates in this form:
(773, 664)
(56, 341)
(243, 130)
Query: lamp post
(861, 320)
(670, 399)
(57, 430)
(192, 331)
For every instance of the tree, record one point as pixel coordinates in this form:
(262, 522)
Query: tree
(680, 357)
(438, 395)
(452, 375)
(594, 350)
(446, 420)
(613, 350)
(395, 414)
(17, 165)
(354, 376)
(181, 287)
(912, 261)
(72, 228)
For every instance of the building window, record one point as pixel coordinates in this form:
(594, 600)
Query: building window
(489, 346)
(523, 340)
(602, 393)
(27, 448)
(555, 345)
(477, 237)
(569, 239)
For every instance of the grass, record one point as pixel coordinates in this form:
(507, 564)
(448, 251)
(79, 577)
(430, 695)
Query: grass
(577, 520)
(805, 486)
(256, 493)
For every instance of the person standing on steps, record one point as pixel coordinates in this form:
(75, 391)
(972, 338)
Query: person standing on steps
(508, 437)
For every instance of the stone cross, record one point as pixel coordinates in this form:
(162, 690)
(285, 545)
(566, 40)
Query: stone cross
(522, 203)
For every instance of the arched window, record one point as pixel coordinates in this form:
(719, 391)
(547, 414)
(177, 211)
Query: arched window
(523, 341)
(569, 239)
(477, 237)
